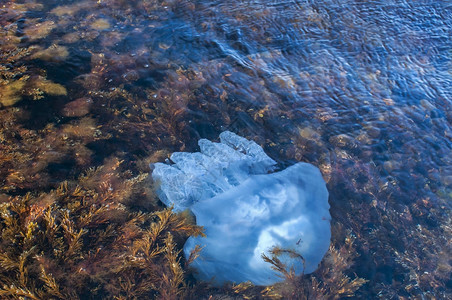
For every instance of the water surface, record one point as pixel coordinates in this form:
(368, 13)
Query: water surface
(361, 89)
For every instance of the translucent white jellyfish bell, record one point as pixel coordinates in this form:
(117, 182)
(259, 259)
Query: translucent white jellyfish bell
(246, 210)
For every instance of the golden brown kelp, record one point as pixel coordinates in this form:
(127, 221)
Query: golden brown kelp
(14, 81)
(81, 241)
(12, 73)
(27, 153)
(330, 281)
(149, 118)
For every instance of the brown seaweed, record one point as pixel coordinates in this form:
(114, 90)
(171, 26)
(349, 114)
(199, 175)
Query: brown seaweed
(76, 241)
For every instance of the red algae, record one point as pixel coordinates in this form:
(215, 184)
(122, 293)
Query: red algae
(77, 108)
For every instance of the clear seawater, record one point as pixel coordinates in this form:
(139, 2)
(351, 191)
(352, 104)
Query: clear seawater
(361, 89)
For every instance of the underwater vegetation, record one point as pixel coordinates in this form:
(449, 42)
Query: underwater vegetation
(330, 281)
(15, 82)
(92, 92)
(83, 242)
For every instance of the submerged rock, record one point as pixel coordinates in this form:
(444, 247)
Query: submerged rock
(77, 108)
(246, 211)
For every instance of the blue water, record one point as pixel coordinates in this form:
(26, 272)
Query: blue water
(361, 89)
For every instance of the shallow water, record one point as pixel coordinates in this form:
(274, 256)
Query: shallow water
(361, 89)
